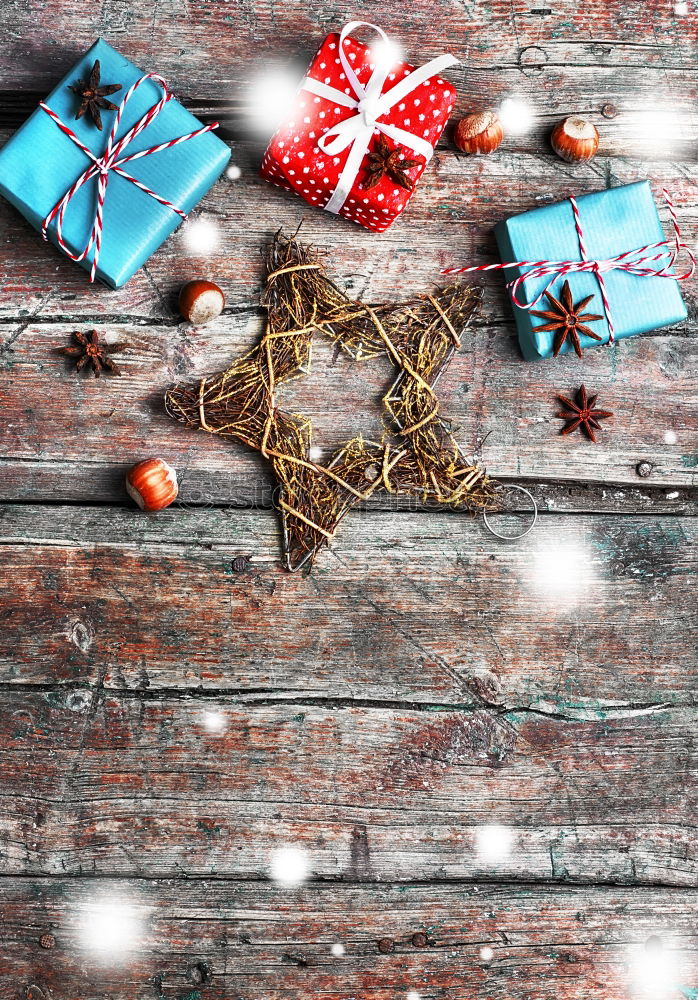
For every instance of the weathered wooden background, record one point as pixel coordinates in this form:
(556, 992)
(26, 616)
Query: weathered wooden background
(166, 724)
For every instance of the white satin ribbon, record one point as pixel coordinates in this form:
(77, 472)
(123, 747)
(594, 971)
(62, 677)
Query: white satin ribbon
(370, 106)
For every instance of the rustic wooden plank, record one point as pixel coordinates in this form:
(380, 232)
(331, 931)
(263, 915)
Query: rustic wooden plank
(585, 612)
(248, 484)
(633, 117)
(243, 941)
(449, 221)
(206, 46)
(149, 785)
(503, 409)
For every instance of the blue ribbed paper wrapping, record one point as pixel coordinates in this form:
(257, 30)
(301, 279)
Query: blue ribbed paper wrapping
(38, 164)
(613, 221)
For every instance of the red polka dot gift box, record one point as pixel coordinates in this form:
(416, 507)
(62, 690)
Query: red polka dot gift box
(362, 129)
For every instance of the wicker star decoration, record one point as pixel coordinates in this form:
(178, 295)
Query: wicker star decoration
(418, 455)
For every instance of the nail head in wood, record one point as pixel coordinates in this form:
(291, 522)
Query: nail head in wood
(200, 974)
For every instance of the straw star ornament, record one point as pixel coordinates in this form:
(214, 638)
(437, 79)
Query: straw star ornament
(417, 455)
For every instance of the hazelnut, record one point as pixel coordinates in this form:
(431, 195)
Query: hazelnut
(152, 484)
(200, 301)
(575, 139)
(479, 133)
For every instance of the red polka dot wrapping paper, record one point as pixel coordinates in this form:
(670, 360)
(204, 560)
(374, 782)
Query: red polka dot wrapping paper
(293, 159)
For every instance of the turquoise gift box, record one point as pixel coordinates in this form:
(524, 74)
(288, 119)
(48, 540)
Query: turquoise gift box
(613, 222)
(39, 164)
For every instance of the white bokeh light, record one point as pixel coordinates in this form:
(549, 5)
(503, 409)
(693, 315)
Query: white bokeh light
(670, 437)
(562, 571)
(201, 236)
(338, 950)
(271, 98)
(653, 970)
(315, 454)
(494, 843)
(385, 54)
(233, 173)
(681, 8)
(413, 995)
(214, 722)
(657, 129)
(289, 866)
(515, 115)
(486, 954)
(109, 927)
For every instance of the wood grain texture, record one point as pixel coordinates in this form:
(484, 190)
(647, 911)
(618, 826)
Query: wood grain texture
(166, 723)
(240, 942)
(627, 111)
(488, 393)
(206, 46)
(146, 786)
(243, 486)
(449, 221)
(585, 613)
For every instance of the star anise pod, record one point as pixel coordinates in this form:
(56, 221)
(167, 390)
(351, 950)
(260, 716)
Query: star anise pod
(88, 350)
(567, 319)
(93, 95)
(384, 161)
(582, 414)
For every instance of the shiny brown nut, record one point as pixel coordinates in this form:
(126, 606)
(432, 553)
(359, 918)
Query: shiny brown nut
(479, 133)
(575, 139)
(152, 484)
(201, 301)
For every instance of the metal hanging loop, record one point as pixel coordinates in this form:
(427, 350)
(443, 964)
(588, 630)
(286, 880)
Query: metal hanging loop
(522, 534)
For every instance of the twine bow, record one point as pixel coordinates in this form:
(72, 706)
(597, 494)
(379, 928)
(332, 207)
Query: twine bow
(632, 262)
(110, 162)
(369, 105)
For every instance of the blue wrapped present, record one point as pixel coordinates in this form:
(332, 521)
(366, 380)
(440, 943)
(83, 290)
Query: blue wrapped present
(612, 223)
(40, 164)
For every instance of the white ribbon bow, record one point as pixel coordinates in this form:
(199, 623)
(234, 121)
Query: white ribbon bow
(370, 106)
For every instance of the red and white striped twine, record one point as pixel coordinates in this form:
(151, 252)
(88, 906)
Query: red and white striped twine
(542, 268)
(111, 160)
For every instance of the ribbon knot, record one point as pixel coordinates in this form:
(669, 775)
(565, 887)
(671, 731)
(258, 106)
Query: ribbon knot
(110, 161)
(369, 105)
(370, 110)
